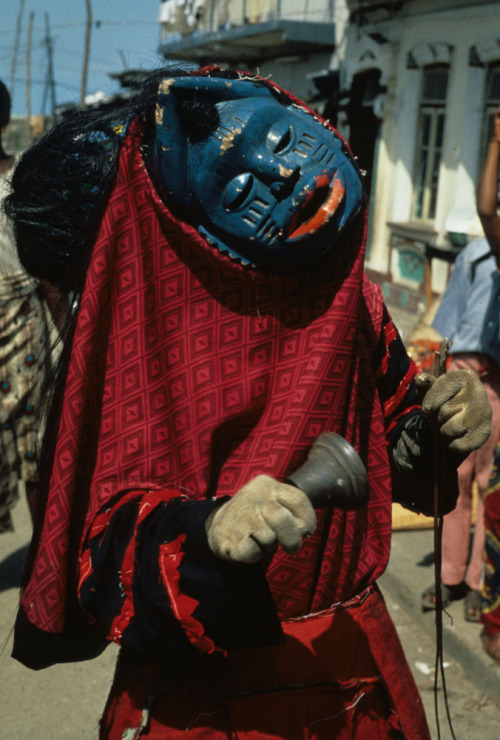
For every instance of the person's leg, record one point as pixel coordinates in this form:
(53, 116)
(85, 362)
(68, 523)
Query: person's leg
(457, 578)
(456, 528)
(483, 461)
(475, 568)
(456, 524)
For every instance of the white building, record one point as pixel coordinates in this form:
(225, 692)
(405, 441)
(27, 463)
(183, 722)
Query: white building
(422, 79)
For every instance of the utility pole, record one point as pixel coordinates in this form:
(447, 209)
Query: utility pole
(49, 80)
(28, 67)
(88, 32)
(16, 49)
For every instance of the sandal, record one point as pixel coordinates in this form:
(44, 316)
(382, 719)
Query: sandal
(472, 606)
(448, 594)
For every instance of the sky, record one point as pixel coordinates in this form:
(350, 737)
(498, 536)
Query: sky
(125, 34)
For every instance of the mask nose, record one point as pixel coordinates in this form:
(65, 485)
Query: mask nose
(283, 187)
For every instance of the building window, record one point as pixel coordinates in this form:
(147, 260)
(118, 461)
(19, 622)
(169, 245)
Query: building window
(432, 116)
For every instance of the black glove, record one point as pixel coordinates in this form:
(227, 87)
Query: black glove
(411, 457)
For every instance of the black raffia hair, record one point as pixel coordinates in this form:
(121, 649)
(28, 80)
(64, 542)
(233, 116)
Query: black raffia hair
(61, 185)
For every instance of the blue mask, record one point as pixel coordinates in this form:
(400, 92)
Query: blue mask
(268, 184)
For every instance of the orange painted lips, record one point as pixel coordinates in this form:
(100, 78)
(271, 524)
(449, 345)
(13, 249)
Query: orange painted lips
(323, 214)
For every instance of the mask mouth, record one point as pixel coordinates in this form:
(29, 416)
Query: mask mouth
(318, 208)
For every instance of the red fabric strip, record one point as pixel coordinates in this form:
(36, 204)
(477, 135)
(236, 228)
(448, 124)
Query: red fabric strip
(183, 606)
(391, 405)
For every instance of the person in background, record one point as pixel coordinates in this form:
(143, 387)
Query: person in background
(6, 160)
(487, 206)
(24, 355)
(469, 315)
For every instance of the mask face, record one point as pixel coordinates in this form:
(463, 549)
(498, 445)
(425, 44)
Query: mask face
(269, 184)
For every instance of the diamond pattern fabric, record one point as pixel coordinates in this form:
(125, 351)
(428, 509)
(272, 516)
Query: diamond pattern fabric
(192, 373)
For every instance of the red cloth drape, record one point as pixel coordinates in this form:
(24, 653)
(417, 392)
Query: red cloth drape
(340, 674)
(191, 373)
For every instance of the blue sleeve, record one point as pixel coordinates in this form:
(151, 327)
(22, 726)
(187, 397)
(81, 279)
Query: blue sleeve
(454, 300)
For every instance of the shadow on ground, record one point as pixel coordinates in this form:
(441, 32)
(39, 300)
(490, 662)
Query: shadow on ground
(11, 569)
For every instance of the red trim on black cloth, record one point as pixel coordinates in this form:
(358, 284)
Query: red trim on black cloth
(394, 370)
(217, 605)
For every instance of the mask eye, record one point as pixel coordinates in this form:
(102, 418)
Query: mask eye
(237, 191)
(279, 138)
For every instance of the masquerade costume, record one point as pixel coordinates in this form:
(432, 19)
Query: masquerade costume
(190, 373)
(468, 315)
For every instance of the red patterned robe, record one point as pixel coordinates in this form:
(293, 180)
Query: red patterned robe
(188, 376)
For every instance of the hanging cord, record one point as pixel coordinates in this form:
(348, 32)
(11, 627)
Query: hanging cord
(439, 368)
